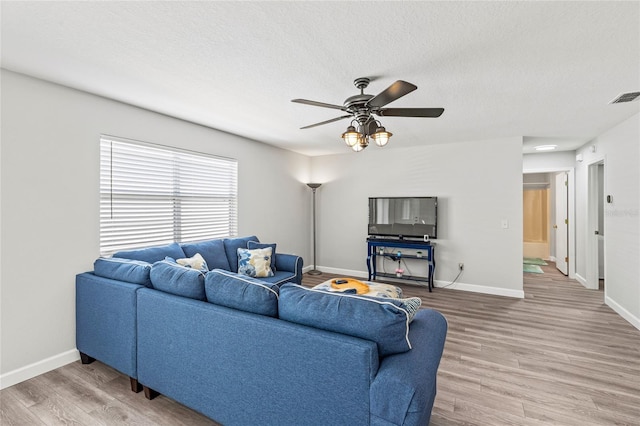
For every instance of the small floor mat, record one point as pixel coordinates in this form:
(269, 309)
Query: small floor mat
(534, 269)
(534, 261)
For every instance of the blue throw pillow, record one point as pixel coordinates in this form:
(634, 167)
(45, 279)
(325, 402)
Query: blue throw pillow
(153, 254)
(258, 245)
(212, 251)
(379, 320)
(170, 277)
(231, 246)
(241, 292)
(132, 271)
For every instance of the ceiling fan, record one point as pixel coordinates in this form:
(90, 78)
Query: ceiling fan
(361, 109)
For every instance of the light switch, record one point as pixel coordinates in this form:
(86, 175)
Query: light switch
(505, 224)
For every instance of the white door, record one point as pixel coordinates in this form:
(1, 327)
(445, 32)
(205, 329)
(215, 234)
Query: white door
(561, 227)
(595, 243)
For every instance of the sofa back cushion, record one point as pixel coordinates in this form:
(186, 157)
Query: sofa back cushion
(241, 292)
(132, 271)
(212, 251)
(380, 320)
(153, 254)
(168, 276)
(231, 246)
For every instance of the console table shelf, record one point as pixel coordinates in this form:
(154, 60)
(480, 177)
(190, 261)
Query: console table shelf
(373, 244)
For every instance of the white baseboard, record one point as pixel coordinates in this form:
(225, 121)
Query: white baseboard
(438, 284)
(358, 274)
(633, 320)
(474, 288)
(581, 280)
(32, 370)
(306, 269)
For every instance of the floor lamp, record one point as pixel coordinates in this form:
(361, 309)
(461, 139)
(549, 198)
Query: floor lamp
(313, 187)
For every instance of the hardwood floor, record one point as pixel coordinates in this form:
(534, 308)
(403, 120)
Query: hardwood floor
(559, 356)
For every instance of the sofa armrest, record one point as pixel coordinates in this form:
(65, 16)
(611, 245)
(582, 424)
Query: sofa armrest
(106, 321)
(290, 263)
(404, 389)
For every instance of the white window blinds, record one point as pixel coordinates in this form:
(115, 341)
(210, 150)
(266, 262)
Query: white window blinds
(153, 195)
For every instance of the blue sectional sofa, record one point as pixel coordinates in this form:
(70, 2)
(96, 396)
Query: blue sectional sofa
(106, 298)
(245, 351)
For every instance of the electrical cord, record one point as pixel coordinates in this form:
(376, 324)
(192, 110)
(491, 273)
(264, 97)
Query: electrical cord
(454, 280)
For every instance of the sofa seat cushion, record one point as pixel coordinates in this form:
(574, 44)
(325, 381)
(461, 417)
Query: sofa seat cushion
(241, 292)
(231, 246)
(153, 254)
(132, 271)
(212, 251)
(279, 277)
(382, 321)
(168, 276)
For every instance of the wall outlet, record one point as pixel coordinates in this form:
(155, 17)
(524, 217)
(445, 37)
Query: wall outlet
(460, 266)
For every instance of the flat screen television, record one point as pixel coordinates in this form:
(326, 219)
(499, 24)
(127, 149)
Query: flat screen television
(403, 217)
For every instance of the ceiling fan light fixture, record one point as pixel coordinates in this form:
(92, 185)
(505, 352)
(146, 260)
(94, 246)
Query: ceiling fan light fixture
(381, 136)
(361, 145)
(351, 136)
(362, 107)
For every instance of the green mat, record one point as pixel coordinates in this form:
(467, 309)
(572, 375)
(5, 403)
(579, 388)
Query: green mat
(534, 269)
(534, 261)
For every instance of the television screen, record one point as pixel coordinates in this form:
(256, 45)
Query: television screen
(412, 217)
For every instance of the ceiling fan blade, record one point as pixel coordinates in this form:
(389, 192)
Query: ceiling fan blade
(316, 103)
(410, 112)
(391, 93)
(326, 122)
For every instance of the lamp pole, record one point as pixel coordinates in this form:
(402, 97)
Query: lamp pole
(313, 187)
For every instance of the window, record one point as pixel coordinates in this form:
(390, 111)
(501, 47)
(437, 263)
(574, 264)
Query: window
(153, 195)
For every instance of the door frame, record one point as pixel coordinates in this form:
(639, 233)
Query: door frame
(571, 179)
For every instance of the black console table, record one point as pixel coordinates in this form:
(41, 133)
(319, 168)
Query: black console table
(428, 255)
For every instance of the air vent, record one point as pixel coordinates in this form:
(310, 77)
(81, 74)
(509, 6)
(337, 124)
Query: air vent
(626, 97)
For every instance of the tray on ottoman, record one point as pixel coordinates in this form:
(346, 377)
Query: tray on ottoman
(363, 288)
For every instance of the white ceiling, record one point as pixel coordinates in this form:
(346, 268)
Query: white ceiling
(543, 71)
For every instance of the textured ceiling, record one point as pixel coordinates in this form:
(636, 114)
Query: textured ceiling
(543, 71)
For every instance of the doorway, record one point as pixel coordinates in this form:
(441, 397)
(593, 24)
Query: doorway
(536, 216)
(546, 178)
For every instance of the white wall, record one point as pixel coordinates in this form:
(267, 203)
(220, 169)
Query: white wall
(50, 206)
(548, 161)
(619, 148)
(478, 184)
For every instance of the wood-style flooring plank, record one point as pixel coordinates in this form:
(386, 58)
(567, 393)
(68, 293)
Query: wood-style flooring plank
(55, 410)
(13, 412)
